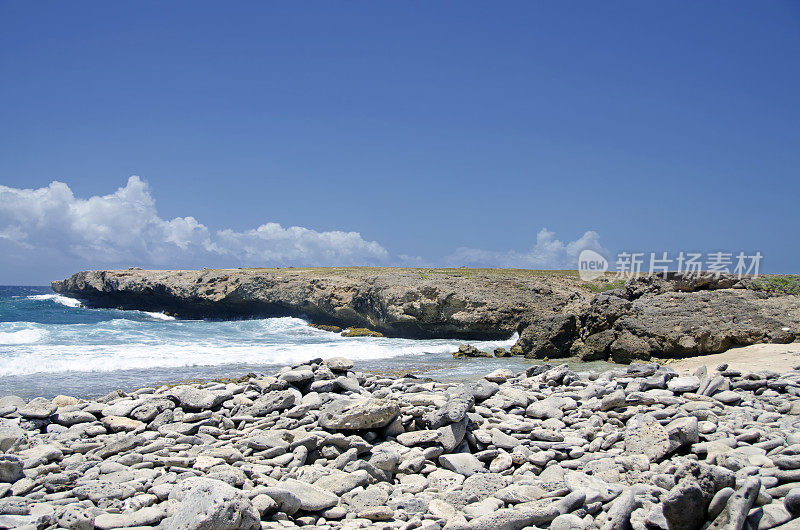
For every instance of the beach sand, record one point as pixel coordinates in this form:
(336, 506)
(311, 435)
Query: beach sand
(776, 357)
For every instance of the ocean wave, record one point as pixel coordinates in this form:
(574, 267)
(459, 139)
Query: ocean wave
(56, 358)
(23, 336)
(158, 316)
(58, 299)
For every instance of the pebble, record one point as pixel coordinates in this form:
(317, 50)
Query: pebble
(319, 444)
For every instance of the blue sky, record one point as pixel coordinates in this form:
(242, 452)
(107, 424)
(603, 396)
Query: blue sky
(423, 128)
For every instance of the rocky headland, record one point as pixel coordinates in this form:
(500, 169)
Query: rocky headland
(555, 314)
(320, 444)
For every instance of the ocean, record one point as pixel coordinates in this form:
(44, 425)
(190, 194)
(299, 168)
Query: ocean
(50, 344)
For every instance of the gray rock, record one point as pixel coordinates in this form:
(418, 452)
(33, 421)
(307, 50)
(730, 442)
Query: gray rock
(681, 432)
(312, 498)
(569, 521)
(646, 436)
(718, 502)
(357, 414)
(738, 506)
(619, 514)
(10, 468)
(792, 501)
(288, 502)
(10, 436)
(729, 397)
(208, 504)
(39, 408)
(149, 516)
(274, 401)
(768, 516)
(684, 506)
(193, 398)
(451, 435)
(69, 418)
(75, 517)
(462, 463)
(339, 364)
(413, 438)
(688, 383)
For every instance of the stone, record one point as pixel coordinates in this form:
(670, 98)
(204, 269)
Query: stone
(339, 364)
(681, 432)
(462, 463)
(122, 424)
(738, 506)
(148, 516)
(792, 501)
(768, 516)
(718, 502)
(39, 408)
(619, 514)
(501, 375)
(357, 414)
(645, 435)
(193, 398)
(287, 501)
(684, 506)
(312, 498)
(377, 513)
(340, 483)
(274, 401)
(75, 517)
(11, 468)
(208, 504)
(413, 438)
(683, 384)
(75, 417)
(729, 397)
(11, 436)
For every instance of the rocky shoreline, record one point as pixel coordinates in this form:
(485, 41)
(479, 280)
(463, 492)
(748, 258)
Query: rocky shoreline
(555, 314)
(322, 445)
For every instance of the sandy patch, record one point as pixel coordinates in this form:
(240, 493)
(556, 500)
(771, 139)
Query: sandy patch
(776, 357)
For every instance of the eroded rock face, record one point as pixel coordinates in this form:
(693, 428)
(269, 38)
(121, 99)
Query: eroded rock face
(555, 316)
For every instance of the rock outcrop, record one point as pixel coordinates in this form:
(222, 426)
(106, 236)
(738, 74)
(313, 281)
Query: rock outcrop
(555, 314)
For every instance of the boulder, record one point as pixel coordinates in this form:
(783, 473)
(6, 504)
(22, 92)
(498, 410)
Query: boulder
(208, 504)
(357, 414)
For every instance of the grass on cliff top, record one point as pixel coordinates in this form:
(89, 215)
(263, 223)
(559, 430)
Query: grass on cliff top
(777, 284)
(423, 272)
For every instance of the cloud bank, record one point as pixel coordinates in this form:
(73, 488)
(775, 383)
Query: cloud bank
(547, 253)
(49, 233)
(124, 228)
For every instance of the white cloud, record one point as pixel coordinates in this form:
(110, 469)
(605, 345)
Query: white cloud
(547, 253)
(124, 228)
(48, 233)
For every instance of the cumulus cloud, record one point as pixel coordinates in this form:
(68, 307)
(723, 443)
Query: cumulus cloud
(547, 253)
(124, 228)
(48, 233)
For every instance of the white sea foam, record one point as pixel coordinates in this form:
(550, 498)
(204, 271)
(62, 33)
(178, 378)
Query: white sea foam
(23, 336)
(158, 316)
(58, 299)
(136, 351)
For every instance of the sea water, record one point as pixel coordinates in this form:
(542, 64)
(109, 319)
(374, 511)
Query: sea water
(50, 344)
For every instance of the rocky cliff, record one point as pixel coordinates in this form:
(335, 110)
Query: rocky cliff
(555, 314)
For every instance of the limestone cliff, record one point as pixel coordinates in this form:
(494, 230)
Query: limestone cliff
(556, 314)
